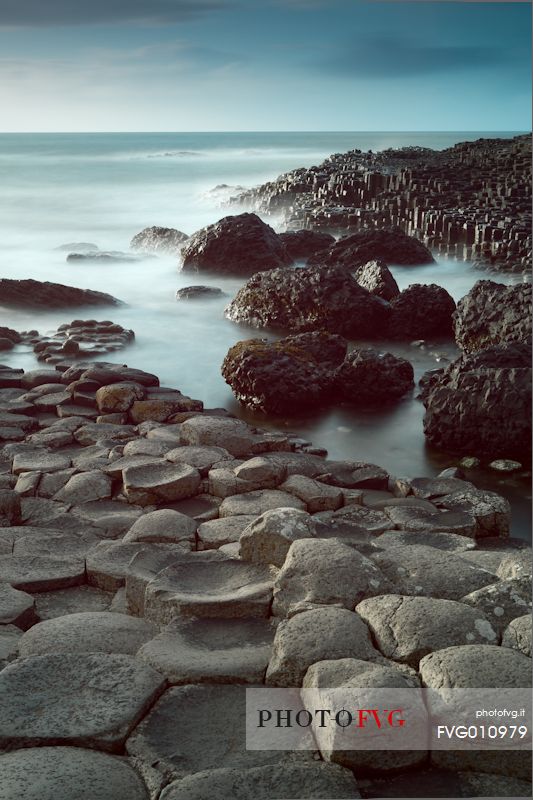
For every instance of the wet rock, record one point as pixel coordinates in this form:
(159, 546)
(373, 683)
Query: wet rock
(503, 601)
(369, 377)
(312, 298)
(518, 635)
(68, 772)
(92, 700)
(407, 628)
(208, 585)
(283, 376)
(420, 312)
(475, 666)
(44, 294)
(481, 403)
(158, 483)
(493, 314)
(165, 526)
(159, 240)
(267, 538)
(305, 243)
(325, 572)
(375, 277)
(235, 245)
(198, 293)
(286, 780)
(426, 571)
(257, 502)
(219, 532)
(316, 635)
(211, 650)
(505, 465)
(389, 244)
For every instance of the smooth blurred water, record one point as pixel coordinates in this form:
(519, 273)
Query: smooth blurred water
(104, 188)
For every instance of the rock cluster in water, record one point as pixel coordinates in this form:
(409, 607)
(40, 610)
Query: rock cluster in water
(29, 293)
(472, 200)
(157, 558)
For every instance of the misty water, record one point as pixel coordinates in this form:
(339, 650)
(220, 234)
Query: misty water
(104, 188)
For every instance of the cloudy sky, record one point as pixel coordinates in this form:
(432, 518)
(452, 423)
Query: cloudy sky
(190, 65)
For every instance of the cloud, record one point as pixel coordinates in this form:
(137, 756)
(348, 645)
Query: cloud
(48, 13)
(391, 58)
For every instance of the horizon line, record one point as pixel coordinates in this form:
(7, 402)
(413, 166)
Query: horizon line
(329, 130)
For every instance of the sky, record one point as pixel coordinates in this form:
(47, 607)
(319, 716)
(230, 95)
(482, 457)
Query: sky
(264, 65)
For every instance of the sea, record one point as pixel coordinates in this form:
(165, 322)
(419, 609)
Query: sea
(104, 188)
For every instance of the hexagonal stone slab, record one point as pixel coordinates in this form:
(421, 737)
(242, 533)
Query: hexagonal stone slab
(50, 605)
(216, 533)
(187, 732)
(52, 543)
(10, 636)
(316, 496)
(211, 650)
(408, 628)
(476, 666)
(90, 700)
(65, 773)
(421, 570)
(518, 635)
(263, 783)
(410, 518)
(159, 483)
(268, 538)
(201, 458)
(429, 488)
(16, 607)
(41, 573)
(87, 632)
(256, 503)
(107, 563)
(491, 511)
(163, 526)
(85, 487)
(111, 517)
(208, 584)
(325, 572)
(316, 635)
(517, 564)
(39, 460)
(231, 434)
(503, 601)
(442, 541)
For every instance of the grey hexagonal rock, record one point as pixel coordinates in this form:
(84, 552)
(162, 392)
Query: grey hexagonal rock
(16, 607)
(261, 470)
(201, 458)
(85, 487)
(211, 650)
(476, 666)
(160, 483)
(87, 632)
(430, 488)
(410, 518)
(408, 628)
(143, 568)
(187, 732)
(263, 783)
(325, 572)
(427, 571)
(208, 584)
(450, 542)
(267, 539)
(41, 573)
(50, 605)
(231, 434)
(164, 525)
(516, 565)
(10, 637)
(518, 635)
(216, 533)
(316, 496)
(491, 511)
(39, 461)
(111, 517)
(257, 502)
(108, 562)
(503, 601)
(53, 543)
(316, 635)
(66, 773)
(91, 700)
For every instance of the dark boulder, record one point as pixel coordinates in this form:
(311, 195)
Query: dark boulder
(198, 292)
(159, 240)
(482, 404)
(9, 333)
(422, 311)
(311, 298)
(43, 294)
(305, 243)
(390, 244)
(367, 377)
(284, 377)
(492, 313)
(236, 245)
(376, 278)
(103, 257)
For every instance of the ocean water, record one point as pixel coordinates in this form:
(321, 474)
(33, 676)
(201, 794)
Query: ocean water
(104, 188)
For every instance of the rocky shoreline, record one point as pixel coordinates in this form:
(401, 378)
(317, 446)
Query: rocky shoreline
(158, 557)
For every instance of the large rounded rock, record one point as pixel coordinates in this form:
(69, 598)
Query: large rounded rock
(285, 376)
(267, 539)
(376, 277)
(159, 240)
(390, 244)
(165, 526)
(476, 666)
(67, 773)
(503, 601)
(312, 298)
(482, 404)
(407, 628)
(236, 245)
(305, 243)
(421, 312)
(518, 635)
(368, 377)
(493, 314)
